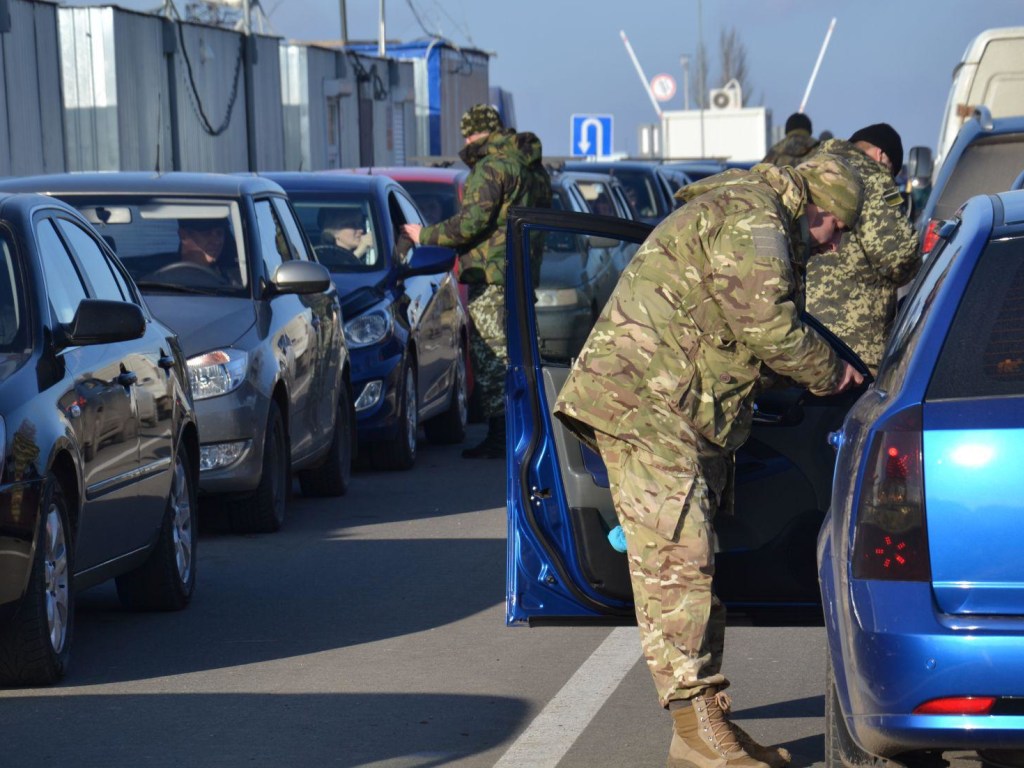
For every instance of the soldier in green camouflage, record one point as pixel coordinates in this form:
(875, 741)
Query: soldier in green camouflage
(664, 390)
(852, 289)
(796, 146)
(506, 170)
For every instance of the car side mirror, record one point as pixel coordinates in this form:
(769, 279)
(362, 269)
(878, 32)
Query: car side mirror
(428, 260)
(98, 321)
(920, 163)
(301, 277)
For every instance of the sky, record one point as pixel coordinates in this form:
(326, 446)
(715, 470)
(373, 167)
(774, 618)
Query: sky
(887, 60)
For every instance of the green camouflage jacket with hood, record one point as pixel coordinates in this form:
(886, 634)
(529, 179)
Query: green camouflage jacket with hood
(506, 170)
(675, 358)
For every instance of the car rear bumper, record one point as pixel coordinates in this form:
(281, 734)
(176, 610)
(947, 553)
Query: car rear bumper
(902, 653)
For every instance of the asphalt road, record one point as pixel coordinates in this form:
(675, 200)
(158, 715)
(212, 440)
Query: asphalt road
(370, 632)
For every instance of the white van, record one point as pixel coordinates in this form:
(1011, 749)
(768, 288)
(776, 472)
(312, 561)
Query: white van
(991, 73)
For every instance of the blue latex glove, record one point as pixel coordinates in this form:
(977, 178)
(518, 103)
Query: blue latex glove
(617, 538)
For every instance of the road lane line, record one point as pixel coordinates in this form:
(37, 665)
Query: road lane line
(546, 740)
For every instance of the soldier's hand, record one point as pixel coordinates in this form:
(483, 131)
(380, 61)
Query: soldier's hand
(413, 231)
(849, 379)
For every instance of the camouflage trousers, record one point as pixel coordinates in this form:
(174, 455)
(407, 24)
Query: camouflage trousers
(488, 348)
(666, 514)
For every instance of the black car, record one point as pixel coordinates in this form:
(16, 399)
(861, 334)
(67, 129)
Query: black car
(260, 325)
(649, 187)
(99, 450)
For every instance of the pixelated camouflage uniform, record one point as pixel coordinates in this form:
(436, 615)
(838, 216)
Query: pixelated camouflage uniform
(852, 290)
(795, 147)
(664, 389)
(505, 171)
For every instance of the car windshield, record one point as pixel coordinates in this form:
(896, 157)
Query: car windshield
(343, 232)
(986, 166)
(640, 192)
(13, 328)
(174, 246)
(436, 202)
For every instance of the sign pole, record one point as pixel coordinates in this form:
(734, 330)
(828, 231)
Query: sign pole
(640, 72)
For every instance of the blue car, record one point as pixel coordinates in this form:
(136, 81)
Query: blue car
(561, 565)
(920, 556)
(405, 328)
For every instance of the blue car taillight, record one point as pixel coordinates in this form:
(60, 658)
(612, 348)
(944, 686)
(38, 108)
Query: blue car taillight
(891, 541)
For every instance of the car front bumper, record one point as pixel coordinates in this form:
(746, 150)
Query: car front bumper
(239, 416)
(381, 363)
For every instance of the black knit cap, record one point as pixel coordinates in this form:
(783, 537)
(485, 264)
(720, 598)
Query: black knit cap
(798, 121)
(883, 136)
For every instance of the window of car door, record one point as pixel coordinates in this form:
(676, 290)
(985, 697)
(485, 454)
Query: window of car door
(274, 248)
(402, 211)
(65, 286)
(291, 230)
(15, 327)
(103, 277)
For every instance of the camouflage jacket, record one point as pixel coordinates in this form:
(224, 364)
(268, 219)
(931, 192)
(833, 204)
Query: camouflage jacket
(795, 147)
(675, 358)
(505, 171)
(853, 290)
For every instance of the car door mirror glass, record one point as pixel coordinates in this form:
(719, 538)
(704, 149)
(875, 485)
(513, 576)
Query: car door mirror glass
(428, 260)
(920, 163)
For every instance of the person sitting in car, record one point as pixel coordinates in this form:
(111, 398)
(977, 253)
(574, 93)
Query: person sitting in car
(203, 242)
(344, 234)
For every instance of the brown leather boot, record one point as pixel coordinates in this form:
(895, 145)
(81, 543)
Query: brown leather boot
(702, 737)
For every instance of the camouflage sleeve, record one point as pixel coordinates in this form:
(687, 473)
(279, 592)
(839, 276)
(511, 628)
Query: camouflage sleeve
(755, 287)
(884, 232)
(481, 202)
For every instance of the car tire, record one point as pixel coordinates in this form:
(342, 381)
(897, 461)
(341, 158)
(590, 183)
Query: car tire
(838, 741)
(332, 477)
(166, 581)
(35, 643)
(450, 427)
(399, 453)
(264, 511)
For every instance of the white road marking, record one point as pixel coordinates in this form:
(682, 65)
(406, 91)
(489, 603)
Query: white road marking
(546, 740)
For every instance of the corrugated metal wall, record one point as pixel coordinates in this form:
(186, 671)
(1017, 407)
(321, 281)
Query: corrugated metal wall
(143, 103)
(464, 82)
(31, 97)
(268, 121)
(212, 130)
(319, 108)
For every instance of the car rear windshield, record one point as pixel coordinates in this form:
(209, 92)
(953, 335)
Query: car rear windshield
(983, 355)
(987, 166)
(174, 246)
(641, 192)
(436, 202)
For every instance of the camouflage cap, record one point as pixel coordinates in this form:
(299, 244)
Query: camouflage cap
(834, 187)
(480, 118)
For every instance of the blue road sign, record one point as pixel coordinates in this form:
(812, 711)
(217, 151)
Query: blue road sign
(591, 135)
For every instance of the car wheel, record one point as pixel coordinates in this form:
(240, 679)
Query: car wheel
(400, 452)
(264, 511)
(838, 741)
(450, 426)
(332, 477)
(166, 581)
(35, 643)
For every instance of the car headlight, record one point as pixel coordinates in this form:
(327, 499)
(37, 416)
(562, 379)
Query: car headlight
(557, 297)
(368, 329)
(217, 373)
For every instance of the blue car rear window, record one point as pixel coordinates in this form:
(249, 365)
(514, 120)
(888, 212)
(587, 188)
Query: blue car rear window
(983, 355)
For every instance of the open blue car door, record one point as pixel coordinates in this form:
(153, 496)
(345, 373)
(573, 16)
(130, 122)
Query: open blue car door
(561, 565)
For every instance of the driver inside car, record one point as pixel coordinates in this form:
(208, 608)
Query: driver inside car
(344, 232)
(202, 242)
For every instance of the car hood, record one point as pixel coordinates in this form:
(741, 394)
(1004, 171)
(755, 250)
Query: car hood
(561, 270)
(204, 322)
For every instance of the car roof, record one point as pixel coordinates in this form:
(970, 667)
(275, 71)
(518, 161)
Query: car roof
(142, 183)
(1013, 207)
(412, 173)
(607, 165)
(299, 181)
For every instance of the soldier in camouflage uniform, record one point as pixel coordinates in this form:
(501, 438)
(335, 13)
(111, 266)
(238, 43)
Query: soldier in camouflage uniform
(505, 170)
(796, 146)
(852, 290)
(664, 390)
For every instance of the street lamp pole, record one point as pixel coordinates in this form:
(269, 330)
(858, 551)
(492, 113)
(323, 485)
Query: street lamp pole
(344, 22)
(685, 61)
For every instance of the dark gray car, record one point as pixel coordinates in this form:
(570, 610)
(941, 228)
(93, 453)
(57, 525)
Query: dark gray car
(222, 261)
